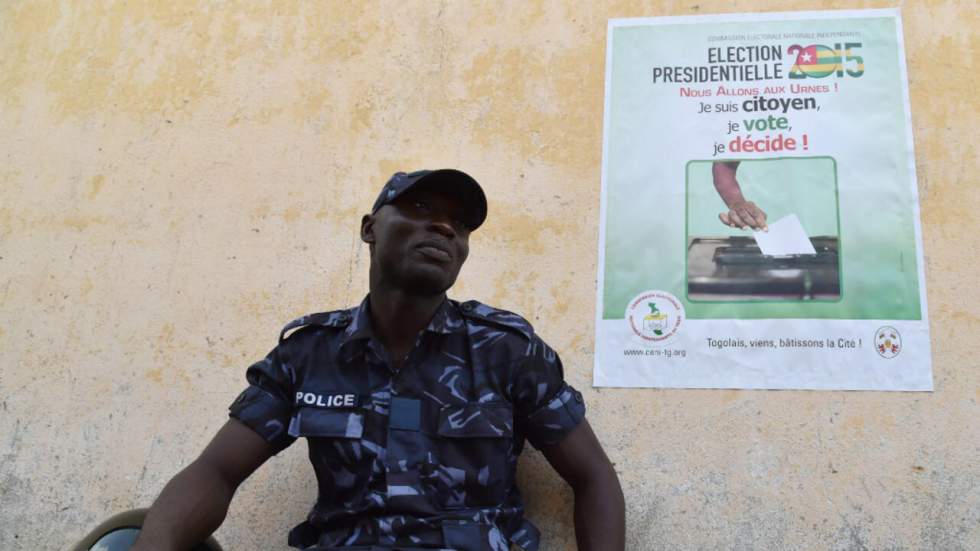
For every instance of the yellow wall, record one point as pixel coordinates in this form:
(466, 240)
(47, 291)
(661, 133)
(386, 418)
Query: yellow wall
(179, 179)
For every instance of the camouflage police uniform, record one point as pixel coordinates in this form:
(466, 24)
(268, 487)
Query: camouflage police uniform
(423, 457)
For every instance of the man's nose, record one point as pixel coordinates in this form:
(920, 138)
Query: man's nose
(443, 224)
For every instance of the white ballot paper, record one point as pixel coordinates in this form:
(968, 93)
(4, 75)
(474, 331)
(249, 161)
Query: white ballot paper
(785, 236)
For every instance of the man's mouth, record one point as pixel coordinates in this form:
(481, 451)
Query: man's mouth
(434, 250)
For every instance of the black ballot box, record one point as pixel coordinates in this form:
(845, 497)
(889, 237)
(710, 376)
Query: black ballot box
(730, 269)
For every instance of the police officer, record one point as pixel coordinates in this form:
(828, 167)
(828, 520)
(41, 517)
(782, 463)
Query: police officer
(415, 407)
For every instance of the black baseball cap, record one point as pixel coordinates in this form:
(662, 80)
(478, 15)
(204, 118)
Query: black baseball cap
(448, 180)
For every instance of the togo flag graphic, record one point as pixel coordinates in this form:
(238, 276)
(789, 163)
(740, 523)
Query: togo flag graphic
(817, 61)
(814, 61)
(786, 249)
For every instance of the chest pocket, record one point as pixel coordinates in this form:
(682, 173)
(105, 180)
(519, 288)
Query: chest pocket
(340, 459)
(475, 463)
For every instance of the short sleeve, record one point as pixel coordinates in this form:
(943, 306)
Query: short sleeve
(545, 405)
(265, 405)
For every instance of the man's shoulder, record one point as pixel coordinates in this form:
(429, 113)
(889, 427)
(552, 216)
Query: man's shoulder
(334, 319)
(497, 319)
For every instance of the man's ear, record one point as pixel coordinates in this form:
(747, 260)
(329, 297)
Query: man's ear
(367, 228)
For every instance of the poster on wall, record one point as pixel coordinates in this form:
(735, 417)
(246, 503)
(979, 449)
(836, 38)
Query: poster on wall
(759, 224)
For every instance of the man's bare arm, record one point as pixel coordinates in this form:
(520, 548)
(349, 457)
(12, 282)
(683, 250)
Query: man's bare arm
(741, 212)
(600, 511)
(194, 503)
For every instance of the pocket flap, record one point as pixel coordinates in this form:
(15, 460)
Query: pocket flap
(475, 420)
(326, 423)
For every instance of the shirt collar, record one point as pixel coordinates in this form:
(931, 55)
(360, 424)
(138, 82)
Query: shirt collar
(446, 320)
(360, 325)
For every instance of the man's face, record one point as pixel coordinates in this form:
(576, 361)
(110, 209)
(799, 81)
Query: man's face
(419, 241)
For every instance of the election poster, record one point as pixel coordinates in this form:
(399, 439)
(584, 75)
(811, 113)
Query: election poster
(759, 223)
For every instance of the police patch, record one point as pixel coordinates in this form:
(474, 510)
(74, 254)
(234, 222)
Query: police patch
(333, 401)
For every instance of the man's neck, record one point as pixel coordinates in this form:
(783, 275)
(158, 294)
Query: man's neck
(397, 318)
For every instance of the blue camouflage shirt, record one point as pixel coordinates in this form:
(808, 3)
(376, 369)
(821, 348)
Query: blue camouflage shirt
(422, 457)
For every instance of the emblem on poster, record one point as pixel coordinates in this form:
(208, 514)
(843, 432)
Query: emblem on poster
(888, 342)
(655, 316)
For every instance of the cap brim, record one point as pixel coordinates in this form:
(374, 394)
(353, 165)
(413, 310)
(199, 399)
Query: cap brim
(465, 187)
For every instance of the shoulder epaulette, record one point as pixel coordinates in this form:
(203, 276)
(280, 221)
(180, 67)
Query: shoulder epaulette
(336, 318)
(502, 318)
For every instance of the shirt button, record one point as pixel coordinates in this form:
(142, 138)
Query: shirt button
(467, 306)
(578, 396)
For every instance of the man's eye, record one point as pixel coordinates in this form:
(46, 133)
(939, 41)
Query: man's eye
(421, 205)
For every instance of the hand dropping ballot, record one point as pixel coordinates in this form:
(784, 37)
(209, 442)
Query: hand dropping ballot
(786, 236)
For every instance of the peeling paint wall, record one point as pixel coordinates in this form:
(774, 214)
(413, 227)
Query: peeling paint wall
(179, 179)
